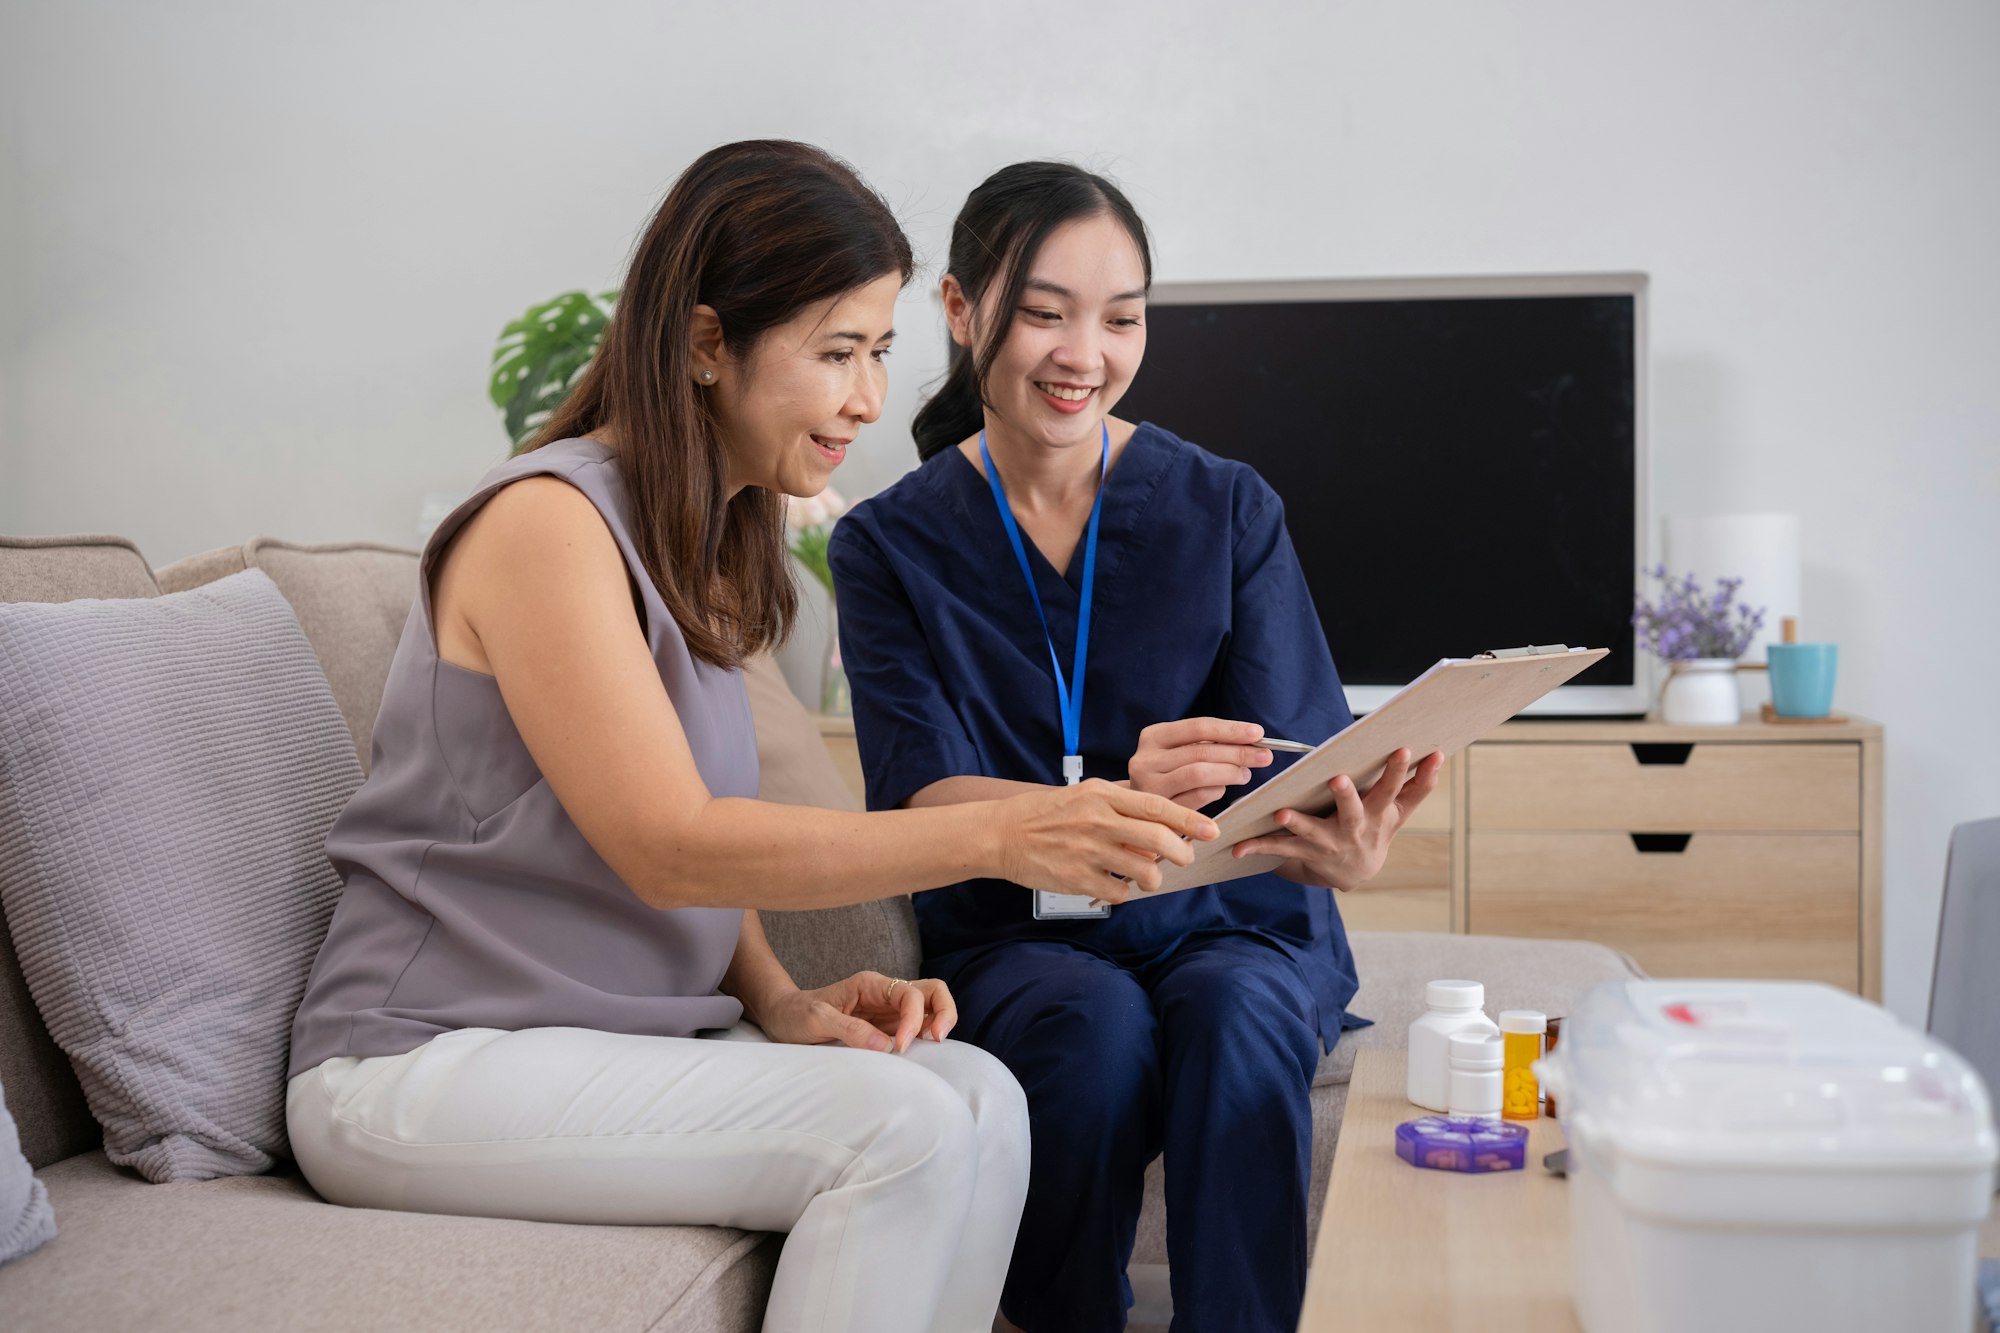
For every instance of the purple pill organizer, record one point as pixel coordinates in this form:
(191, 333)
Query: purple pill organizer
(1442, 1144)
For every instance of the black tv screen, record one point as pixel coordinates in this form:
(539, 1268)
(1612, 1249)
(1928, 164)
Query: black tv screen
(1459, 473)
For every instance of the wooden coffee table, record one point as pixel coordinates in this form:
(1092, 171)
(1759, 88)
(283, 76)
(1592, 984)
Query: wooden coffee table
(1407, 1251)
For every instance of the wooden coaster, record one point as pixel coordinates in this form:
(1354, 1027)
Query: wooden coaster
(1772, 715)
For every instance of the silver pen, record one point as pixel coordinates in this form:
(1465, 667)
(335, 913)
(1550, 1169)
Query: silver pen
(1289, 747)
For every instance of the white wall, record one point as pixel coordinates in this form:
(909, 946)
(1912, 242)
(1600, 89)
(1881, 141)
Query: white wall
(258, 253)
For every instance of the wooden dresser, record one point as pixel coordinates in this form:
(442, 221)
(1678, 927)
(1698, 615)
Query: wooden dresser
(1742, 851)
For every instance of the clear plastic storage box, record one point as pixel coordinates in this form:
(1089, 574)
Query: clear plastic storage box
(1765, 1156)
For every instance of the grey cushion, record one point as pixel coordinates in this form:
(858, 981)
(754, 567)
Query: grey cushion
(351, 598)
(42, 1091)
(168, 770)
(256, 1253)
(26, 1220)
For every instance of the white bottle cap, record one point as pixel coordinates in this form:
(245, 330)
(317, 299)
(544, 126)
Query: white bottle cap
(1455, 995)
(1476, 1050)
(1526, 1021)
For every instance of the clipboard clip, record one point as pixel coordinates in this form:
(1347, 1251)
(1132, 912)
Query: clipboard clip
(1531, 650)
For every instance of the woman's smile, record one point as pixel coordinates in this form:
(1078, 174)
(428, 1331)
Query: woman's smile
(1066, 398)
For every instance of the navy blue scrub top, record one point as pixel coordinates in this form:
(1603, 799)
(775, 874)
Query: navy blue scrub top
(1200, 610)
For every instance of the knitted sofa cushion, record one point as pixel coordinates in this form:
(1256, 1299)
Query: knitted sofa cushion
(169, 768)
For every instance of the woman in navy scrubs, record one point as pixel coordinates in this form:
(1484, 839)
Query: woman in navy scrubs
(1056, 592)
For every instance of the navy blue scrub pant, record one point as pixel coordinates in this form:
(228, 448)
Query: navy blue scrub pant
(1206, 1055)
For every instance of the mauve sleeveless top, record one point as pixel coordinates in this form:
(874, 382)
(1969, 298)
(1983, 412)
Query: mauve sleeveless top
(470, 898)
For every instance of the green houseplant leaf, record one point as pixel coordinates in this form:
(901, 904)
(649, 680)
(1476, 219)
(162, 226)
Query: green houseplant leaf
(809, 549)
(540, 356)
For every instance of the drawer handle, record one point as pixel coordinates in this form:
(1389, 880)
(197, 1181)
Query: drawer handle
(1670, 753)
(1669, 844)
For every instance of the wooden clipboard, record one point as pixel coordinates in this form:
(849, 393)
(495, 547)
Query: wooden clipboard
(1444, 710)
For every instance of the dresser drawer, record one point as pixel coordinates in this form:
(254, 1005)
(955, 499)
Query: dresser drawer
(1778, 905)
(1413, 892)
(1698, 788)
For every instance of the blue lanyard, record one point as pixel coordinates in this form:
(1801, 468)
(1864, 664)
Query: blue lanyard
(1069, 693)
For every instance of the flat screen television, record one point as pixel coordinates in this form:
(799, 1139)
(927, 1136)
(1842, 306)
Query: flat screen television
(1462, 460)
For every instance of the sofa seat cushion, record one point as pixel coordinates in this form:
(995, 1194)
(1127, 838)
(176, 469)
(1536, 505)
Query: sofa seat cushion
(265, 1252)
(1548, 975)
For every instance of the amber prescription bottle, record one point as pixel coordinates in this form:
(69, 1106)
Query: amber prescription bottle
(1521, 1030)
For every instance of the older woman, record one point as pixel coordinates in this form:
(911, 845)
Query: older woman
(552, 871)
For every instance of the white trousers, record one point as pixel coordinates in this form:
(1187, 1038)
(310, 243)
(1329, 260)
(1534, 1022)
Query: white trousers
(900, 1178)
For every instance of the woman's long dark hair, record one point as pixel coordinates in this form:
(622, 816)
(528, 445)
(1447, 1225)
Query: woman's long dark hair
(993, 243)
(759, 230)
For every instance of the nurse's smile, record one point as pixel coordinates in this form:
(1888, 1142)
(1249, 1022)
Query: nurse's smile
(1066, 398)
(832, 448)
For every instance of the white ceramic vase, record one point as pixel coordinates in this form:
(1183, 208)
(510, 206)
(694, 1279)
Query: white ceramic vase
(1702, 693)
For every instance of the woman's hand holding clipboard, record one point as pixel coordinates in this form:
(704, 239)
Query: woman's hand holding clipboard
(1346, 848)
(1454, 703)
(1194, 761)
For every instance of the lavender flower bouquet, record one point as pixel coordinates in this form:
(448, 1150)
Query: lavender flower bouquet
(1688, 623)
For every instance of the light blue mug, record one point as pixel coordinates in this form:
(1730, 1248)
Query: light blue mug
(1802, 678)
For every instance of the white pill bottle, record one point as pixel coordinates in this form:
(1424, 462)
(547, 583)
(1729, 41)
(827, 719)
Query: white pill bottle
(1450, 1007)
(1476, 1060)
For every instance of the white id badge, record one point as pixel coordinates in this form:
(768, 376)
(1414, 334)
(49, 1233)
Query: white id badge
(1068, 906)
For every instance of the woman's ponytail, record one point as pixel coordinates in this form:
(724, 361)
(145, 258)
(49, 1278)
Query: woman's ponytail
(954, 412)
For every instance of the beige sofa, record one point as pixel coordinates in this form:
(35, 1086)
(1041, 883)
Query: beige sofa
(264, 1252)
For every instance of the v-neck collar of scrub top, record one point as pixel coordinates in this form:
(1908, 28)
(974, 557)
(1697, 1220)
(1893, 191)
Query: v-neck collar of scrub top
(1129, 487)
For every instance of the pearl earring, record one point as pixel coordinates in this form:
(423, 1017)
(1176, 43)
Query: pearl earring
(708, 377)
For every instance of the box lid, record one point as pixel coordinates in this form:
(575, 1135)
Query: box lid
(1767, 1074)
